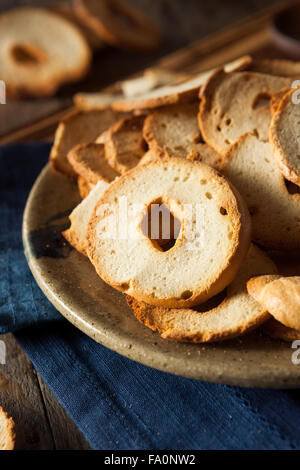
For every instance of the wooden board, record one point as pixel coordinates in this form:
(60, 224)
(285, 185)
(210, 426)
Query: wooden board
(41, 423)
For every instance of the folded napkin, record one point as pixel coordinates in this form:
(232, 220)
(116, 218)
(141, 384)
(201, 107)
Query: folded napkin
(118, 403)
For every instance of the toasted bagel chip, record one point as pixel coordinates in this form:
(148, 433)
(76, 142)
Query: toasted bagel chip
(34, 45)
(276, 67)
(84, 187)
(88, 161)
(151, 90)
(79, 127)
(173, 131)
(280, 296)
(276, 99)
(284, 137)
(211, 213)
(155, 88)
(237, 314)
(250, 165)
(124, 143)
(76, 235)
(235, 103)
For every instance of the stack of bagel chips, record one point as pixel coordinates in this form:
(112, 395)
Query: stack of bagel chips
(191, 196)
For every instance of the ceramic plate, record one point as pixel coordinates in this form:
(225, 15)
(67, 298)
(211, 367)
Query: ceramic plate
(70, 282)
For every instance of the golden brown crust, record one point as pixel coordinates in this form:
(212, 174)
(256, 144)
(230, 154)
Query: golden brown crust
(98, 100)
(80, 216)
(103, 17)
(124, 143)
(256, 285)
(238, 239)
(84, 187)
(276, 67)
(237, 314)
(88, 161)
(284, 141)
(78, 127)
(280, 296)
(72, 238)
(173, 131)
(276, 100)
(184, 92)
(7, 431)
(185, 89)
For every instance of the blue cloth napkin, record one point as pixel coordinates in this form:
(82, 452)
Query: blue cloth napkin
(115, 402)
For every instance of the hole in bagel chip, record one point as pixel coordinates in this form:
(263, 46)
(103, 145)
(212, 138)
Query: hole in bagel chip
(27, 54)
(292, 187)
(262, 100)
(161, 225)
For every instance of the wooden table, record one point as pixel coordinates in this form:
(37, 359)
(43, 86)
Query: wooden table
(41, 423)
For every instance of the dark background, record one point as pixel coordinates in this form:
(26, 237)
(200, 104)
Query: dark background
(182, 21)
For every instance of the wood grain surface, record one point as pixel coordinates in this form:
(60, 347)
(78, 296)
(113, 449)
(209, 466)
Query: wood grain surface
(41, 423)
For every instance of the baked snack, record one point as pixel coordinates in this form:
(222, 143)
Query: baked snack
(79, 127)
(251, 167)
(7, 431)
(40, 51)
(233, 315)
(151, 79)
(183, 92)
(277, 330)
(280, 296)
(124, 143)
(67, 11)
(84, 187)
(235, 103)
(80, 217)
(173, 131)
(284, 137)
(211, 214)
(119, 23)
(276, 99)
(150, 90)
(276, 67)
(96, 101)
(88, 161)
